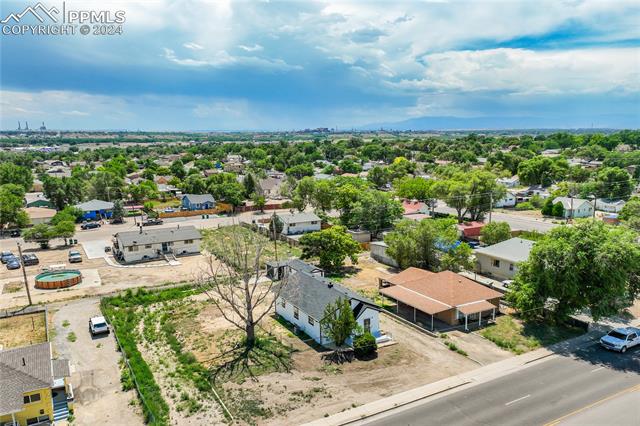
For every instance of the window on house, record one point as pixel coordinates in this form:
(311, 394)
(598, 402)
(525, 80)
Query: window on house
(147, 246)
(296, 313)
(32, 398)
(132, 248)
(311, 320)
(496, 263)
(283, 303)
(292, 224)
(511, 267)
(188, 241)
(367, 325)
(315, 222)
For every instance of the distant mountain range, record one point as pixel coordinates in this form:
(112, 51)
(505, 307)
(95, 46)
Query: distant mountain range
(629, 121)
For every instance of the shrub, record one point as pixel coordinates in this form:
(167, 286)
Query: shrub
(364, 344)
(526, 205)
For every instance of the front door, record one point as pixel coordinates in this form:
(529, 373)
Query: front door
(165, 247)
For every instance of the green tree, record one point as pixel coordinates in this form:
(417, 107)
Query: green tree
(630, 213)
(65, 230)
(303, 194)
(376, 211)
(558, 210)
(364, 345)
(323, 194)
(11, 212)
(349, 166)
(177, 169)
(415, 188)
(68, 214)
(495, 232)
(40, 233)
(194, 184)
(105, 185)
(547, 208)
(18, 175)
(259, 201)
(614, 183)
(64, 191)
(400, 168)
(338, 323)
(589, 265)
(379, 176)
(542, 170)
(118, 212)
(457, 258)
(250, 185)
(331, 246)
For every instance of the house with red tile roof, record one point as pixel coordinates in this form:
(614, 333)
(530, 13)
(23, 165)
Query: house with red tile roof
(443, 298)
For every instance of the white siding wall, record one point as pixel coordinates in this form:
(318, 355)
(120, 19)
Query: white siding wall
(508, 201)
(485, 265)
(314, 330)
(302, 322)
(300, 227)
(178, 248)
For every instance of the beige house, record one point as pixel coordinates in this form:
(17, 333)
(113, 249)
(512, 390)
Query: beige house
(145, 245)
(38, 215)
(501, 260)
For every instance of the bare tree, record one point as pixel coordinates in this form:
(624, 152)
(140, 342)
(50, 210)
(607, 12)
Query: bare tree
(236, 285)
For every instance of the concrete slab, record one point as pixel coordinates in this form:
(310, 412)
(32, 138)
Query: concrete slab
(94, 249)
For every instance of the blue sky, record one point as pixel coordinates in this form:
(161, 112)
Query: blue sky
(269, 65)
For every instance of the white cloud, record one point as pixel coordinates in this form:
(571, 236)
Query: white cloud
(254, 48)
(76, 113)
(526, 72)
(222, 59)
(192, 46)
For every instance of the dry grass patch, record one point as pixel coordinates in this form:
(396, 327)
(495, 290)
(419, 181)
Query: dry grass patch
(22, 330)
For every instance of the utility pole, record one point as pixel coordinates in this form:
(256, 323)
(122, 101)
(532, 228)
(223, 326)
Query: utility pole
(594, 206)
(275, 235)
(490, 205)
(24, 274)
(571, 209)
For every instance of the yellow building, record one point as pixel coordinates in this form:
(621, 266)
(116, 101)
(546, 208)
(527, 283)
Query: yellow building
(34, 388)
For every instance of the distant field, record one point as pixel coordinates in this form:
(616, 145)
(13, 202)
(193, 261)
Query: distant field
(22, 330)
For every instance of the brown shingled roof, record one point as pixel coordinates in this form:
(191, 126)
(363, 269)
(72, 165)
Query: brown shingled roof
(445, 287)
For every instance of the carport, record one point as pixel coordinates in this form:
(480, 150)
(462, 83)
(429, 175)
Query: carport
(419, 302)
(476, 308)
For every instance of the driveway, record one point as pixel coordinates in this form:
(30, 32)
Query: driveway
(94, 249)
(95, 377)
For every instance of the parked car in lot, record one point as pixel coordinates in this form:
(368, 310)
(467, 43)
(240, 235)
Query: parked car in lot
(169, 210)
(90, 225)
(30, 259)
(98, 325)
(621, 339)
(150, 222)
(507, 283)
(5, 256)
(15, 233)
(117, 221)
(13, 263)
(75, 256)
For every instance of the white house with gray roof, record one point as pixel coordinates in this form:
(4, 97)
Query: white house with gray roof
(299, 223)
(575, 207)
(304, 296)
(501, 260)
(144, 245)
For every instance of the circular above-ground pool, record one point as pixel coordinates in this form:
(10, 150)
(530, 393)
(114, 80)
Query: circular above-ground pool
(58, 279)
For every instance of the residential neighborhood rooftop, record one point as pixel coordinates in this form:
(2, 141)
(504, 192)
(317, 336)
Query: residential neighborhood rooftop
(94, 205)
(298, 217)
(513, 250)
(154, 236)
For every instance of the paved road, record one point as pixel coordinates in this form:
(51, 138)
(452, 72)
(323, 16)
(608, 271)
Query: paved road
(515, 221)
(621, 410)
(533, 396)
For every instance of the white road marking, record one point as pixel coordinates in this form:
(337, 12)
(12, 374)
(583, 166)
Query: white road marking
(597, 369)
(516, 400)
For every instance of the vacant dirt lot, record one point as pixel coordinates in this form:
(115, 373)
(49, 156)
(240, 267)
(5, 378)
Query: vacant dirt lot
(95, 374)
(310, 388)
(111, 278)
(22, 330)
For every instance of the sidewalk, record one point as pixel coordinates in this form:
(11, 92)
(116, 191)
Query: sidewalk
(453, 383)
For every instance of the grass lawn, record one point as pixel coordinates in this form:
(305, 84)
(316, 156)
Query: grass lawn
(519, 337)
(217, 242)
(22, 330)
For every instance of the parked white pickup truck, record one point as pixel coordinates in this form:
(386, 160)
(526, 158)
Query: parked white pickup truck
(621, 339)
